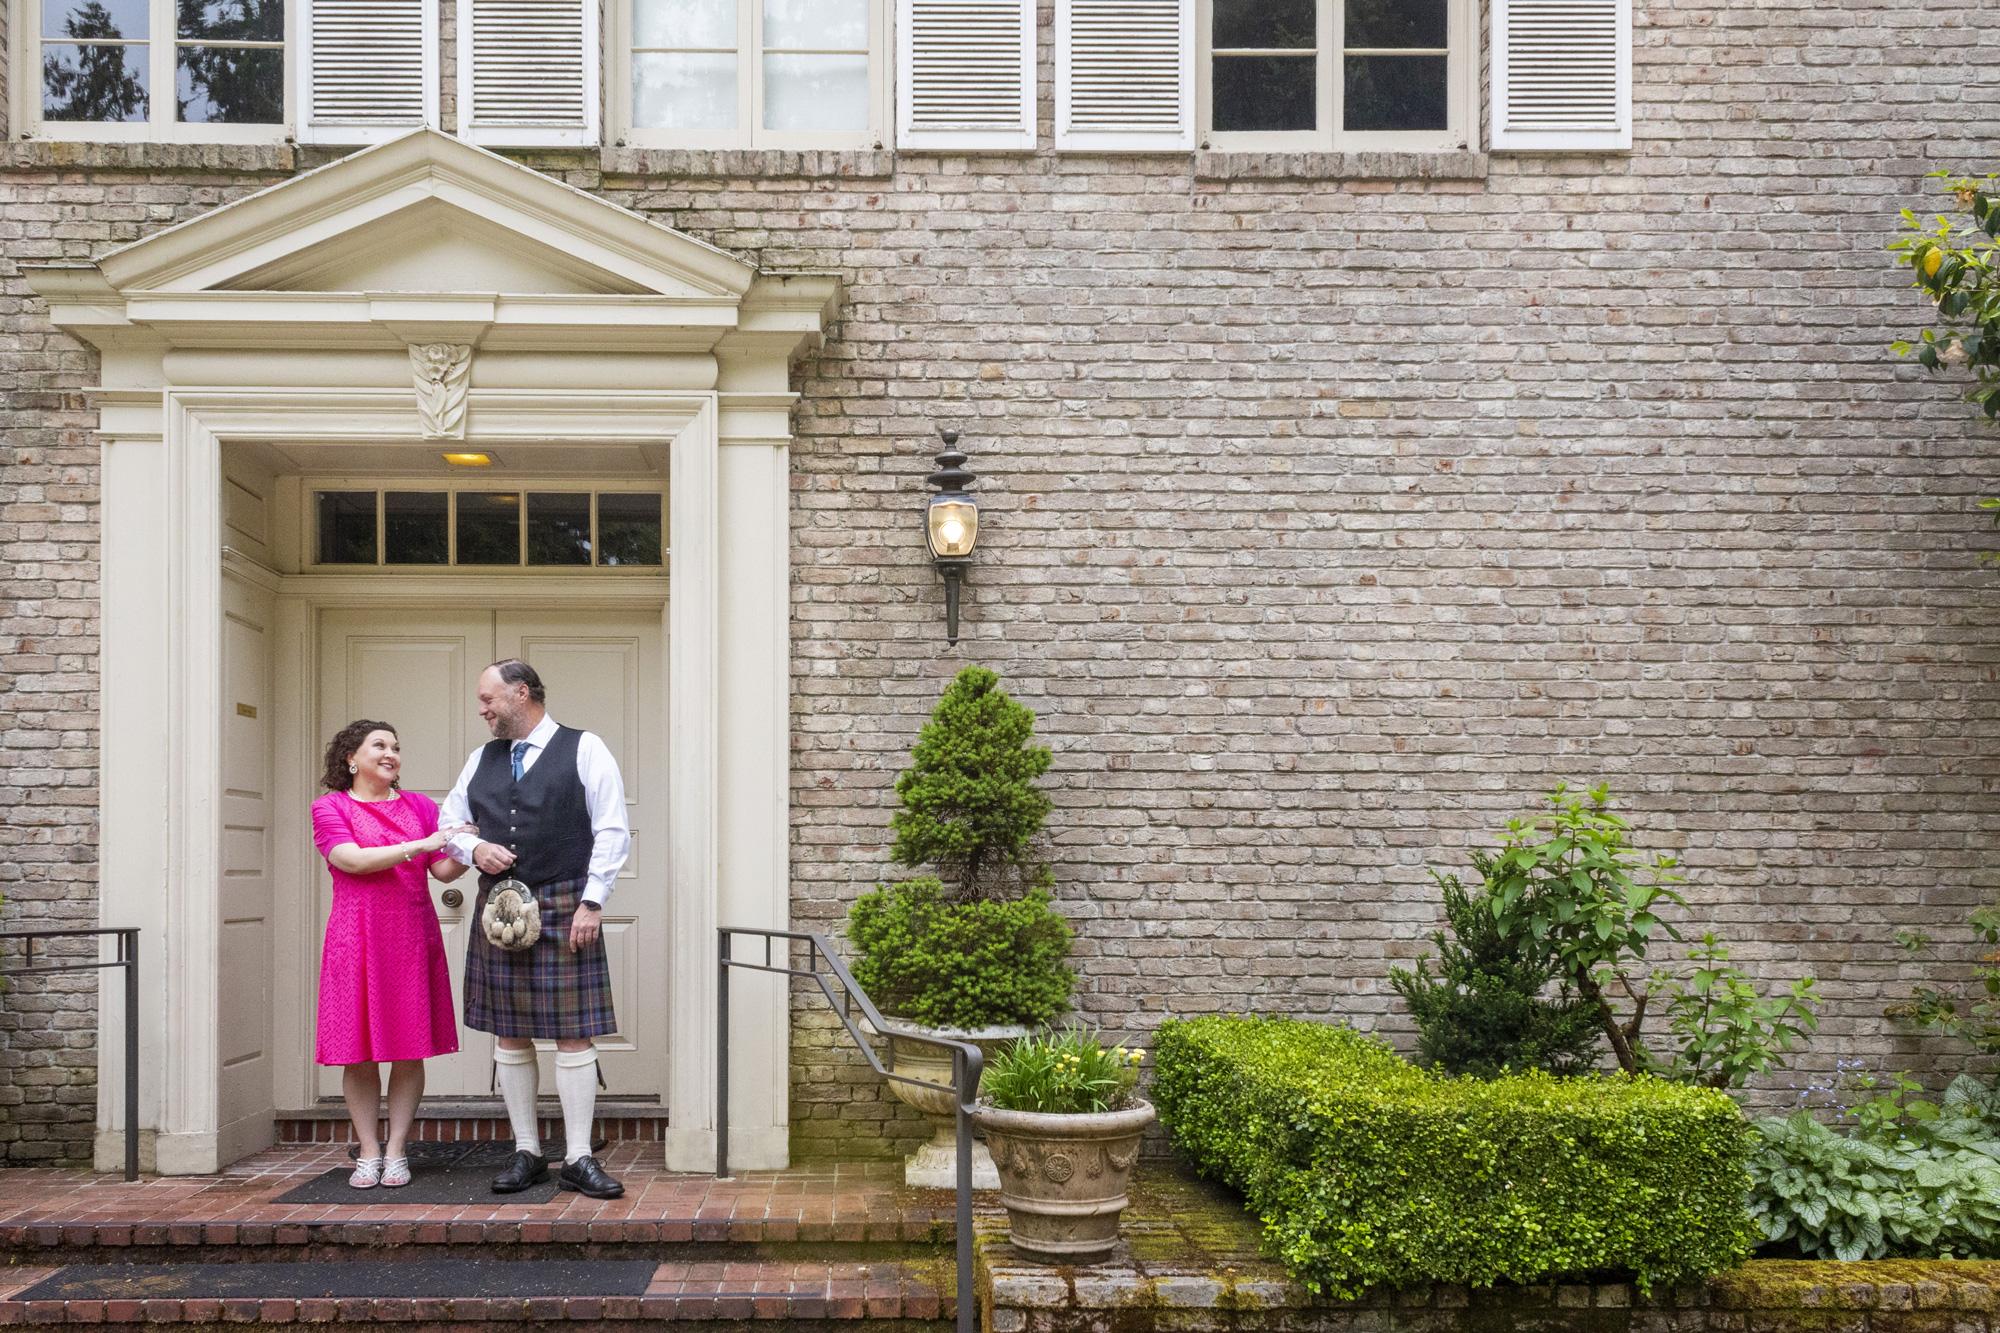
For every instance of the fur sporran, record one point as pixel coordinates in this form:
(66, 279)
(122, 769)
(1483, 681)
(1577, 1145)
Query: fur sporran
(512, 918)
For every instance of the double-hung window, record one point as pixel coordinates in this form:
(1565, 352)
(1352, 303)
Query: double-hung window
(212, 71)
(1337, 75)
(752, 73)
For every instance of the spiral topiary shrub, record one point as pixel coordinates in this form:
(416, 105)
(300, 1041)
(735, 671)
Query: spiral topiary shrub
(1367, 1171)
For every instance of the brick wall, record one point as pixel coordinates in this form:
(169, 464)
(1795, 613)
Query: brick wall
(1326, 521)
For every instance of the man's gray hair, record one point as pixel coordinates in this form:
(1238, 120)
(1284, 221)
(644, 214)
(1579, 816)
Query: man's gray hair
(513, 671)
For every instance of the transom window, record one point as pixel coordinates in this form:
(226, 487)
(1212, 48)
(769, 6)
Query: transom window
(1270, 78)
(489, 527)
(754, 73)
(211, 70)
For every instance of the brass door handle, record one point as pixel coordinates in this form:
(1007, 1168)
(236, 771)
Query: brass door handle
(453, 898)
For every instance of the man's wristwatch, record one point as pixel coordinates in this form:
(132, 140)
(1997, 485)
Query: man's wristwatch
(595, 907)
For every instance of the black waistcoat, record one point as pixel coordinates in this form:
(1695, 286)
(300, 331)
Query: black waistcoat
(544, 819)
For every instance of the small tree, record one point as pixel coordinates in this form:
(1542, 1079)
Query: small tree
(970, 804)
(1490, 1009)
(1959, 270)
(1566, 882)
(980, 943)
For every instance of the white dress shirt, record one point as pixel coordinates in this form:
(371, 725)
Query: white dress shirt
(603, 793)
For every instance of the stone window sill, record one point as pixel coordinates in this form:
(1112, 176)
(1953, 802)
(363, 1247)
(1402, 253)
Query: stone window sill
(750, 163)
(75, 154)
(1456, 166)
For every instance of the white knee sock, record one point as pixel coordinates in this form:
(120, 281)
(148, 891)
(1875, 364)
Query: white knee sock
(576, 1084)
(518, 1076)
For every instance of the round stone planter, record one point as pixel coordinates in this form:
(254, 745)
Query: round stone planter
(1063, 1177)
(935, 1164)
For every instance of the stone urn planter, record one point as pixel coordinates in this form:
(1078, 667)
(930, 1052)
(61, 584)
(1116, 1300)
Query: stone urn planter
(1063, 1178)
(935, 1164)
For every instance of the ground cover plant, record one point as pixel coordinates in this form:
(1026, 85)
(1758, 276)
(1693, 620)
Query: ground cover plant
(1366, 1170)
(1066, 1072)
(1894, 1176)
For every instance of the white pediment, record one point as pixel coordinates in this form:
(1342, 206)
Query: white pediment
(426, 213)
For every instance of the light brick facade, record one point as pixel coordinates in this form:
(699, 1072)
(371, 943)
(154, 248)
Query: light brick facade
(1332, 508)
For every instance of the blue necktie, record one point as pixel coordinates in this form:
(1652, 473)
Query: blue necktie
(520, 749)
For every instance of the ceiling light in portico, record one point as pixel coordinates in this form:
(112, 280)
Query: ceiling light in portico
(469, 460)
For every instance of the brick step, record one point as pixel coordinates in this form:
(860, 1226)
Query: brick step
(696, 1294)
(478, 1120)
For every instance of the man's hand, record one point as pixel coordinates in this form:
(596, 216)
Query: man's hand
(492, 858)
(584, 928)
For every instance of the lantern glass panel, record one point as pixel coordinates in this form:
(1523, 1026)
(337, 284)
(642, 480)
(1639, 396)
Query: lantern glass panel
(953, 525)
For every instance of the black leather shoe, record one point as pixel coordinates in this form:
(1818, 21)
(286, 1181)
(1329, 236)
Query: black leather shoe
(585, 1176)
(524, 1171)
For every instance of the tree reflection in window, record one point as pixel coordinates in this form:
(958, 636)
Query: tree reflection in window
(230, 62)
(94, 80)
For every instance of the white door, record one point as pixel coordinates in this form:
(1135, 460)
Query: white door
(418, 670)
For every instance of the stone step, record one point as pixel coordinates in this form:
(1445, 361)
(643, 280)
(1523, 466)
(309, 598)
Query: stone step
(697, 1294)
(478, 1120)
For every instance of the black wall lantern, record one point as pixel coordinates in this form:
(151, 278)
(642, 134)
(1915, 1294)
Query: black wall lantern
(951, 525)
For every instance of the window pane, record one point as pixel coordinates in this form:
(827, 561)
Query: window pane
(1396, 23)
(94, 82)
(415, 528)
(489, 528)
(815, 92)
(347, 527)
(231, 85)
(628, 529)
(94, 18)
(677, 92)
(237, 21)
(709, 24)
(1395, 93)
(816, 25)
(1265, 93)
(1264, 24)
(559, 529)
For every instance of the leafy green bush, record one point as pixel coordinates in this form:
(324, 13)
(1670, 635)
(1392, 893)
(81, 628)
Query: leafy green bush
(960, 964)
(1366, 1170)
(1488, 1009)
(1062, 1073)
(1565, 884)
(1969, 1010)
(1912, 1180)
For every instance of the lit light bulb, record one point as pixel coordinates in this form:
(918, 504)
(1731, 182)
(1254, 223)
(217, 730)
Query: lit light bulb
(952, 530)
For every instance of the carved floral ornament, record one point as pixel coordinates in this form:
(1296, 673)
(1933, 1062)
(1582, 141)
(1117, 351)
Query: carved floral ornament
(443, 371)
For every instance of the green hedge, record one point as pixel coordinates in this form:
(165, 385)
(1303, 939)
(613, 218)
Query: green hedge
(1366, 1170)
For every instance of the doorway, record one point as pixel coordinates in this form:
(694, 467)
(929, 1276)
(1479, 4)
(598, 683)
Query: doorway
(417, 669)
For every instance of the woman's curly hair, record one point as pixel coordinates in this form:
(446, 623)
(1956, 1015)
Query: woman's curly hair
(344, 743)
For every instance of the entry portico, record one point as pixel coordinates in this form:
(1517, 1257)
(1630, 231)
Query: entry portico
(424, 295)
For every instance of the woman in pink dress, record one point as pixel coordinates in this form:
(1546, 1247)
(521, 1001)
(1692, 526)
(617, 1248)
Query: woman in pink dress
(384, 988)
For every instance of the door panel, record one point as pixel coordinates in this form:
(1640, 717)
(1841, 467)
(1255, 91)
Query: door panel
(419, 672)
(244, 1038)
(604, 674)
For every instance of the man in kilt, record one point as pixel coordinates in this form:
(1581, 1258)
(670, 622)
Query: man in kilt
(549, 806)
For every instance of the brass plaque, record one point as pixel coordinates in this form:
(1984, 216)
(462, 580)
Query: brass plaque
(246, 710)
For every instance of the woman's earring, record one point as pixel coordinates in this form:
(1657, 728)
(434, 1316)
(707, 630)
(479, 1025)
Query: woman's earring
(352, 769)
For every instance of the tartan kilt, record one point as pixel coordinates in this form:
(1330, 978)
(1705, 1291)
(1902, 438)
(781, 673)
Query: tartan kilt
(544, 990)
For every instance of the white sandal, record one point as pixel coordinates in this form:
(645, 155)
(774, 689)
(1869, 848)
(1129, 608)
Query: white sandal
(395, 1172)
(367, 1173)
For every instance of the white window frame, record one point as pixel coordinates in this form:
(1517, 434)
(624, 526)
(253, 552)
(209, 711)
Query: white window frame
(25, 29)
(452, 488)
(749, 132)
(1329, 85)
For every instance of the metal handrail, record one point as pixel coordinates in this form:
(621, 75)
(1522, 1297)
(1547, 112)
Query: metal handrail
(967, 1061)
(128, 959)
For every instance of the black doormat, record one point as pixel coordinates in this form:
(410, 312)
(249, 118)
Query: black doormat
(419, 1278)
(439, 1173)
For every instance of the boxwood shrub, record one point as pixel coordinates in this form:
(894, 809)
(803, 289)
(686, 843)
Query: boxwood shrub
(1366, 1170)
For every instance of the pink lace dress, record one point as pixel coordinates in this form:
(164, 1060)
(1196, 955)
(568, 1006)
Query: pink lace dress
(384, 988)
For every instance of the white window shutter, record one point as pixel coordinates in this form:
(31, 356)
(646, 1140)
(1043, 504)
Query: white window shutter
(368, 69)
(965, 73)
(1562, 75)
(1125, 75)
(528, 73)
